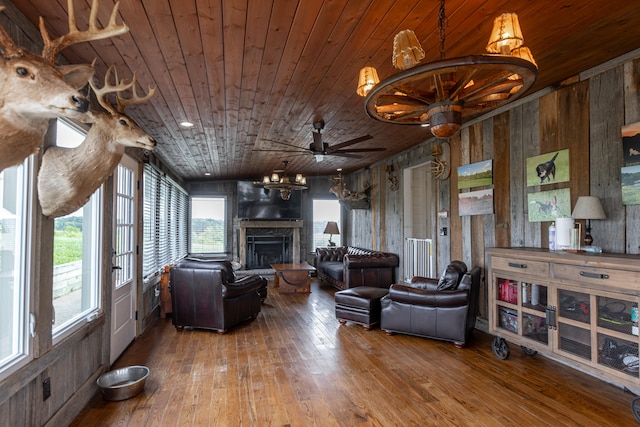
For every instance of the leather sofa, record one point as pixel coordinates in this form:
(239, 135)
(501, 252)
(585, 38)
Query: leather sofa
(347, 267)
(206, 294)
(443, 309)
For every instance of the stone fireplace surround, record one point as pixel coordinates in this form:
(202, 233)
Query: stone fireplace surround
(247, 229)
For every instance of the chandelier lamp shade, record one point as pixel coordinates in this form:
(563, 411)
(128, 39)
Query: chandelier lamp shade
(446, 93)
(407, 51)
(331, 229)
(283, 183)
(367, 80)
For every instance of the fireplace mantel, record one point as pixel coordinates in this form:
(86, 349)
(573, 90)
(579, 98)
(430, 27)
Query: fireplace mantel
(295, 226)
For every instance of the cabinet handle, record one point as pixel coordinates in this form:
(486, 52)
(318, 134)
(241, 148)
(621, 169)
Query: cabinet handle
(515, 265)
(551, 317)
(594, 275)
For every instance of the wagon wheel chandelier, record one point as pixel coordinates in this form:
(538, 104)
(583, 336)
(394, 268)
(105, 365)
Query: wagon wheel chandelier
(284, 183)
(448, 92)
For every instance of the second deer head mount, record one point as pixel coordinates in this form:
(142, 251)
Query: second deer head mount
(34, 90)
(69, 176)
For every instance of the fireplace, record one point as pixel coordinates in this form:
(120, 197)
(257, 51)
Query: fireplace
(268, 242)
(264, 250)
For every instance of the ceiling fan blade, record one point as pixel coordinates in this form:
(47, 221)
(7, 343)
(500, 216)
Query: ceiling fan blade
(317, 142)
(333, 148)
(343, 154)
(288, 145)
(359, 150)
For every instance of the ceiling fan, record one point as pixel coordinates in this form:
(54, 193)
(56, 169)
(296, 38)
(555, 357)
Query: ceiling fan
(320, 149)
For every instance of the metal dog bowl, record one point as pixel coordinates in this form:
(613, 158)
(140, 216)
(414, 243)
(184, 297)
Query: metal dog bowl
(123, 383)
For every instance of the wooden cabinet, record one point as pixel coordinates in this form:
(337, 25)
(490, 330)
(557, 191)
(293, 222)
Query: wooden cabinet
(578, 308)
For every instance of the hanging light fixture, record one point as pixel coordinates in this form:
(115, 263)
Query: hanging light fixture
(445, 93)
(367, 79)
(284, 183)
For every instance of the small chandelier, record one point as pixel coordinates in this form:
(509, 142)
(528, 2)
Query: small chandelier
(284, 183)
(445, 93)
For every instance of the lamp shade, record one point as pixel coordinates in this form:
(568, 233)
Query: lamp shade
(331, 228)
(588, 207)
(407, 51)
(506, 34)
(524, 53)
(367, 79)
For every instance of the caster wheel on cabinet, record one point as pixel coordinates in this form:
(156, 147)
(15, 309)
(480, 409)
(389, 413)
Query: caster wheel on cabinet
(500, 348)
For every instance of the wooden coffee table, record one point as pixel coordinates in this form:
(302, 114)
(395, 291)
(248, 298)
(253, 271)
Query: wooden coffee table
(292, 278)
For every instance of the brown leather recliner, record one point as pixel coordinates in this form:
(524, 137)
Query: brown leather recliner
(206, 294)
(443, 309)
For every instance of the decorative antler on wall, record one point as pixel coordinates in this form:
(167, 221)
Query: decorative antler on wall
(69, 176)
(34, 90)
(440, 163)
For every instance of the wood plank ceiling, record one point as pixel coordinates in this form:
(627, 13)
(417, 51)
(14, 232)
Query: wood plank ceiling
(251, 73)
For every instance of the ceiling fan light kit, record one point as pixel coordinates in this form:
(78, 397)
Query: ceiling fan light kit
(445, 93)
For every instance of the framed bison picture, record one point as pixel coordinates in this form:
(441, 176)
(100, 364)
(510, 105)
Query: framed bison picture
(549, 168)
(631, 144)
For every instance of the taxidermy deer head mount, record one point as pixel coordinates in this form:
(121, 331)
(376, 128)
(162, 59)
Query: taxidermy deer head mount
(33, 90)
(69, 176)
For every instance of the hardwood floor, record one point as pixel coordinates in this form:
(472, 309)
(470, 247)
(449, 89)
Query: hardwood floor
(296, 366)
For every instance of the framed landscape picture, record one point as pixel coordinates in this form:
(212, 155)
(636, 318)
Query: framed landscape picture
(475, 175)
(475, 202)
(630, 185)
(549, 205)
(549, 168)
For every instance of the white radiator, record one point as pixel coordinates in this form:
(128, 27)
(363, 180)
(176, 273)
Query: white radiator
(418, 258)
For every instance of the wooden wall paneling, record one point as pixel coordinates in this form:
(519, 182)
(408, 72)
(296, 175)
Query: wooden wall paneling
(548, 143)
(606, 105)
(455, 223)
(501, 179)
(518, 179)
(394, 217)
(382, 185)
(443, 243)
(476, 154)
(530, 148)
(632, 115)
(488, 153)
(573, 133)
(465, 221)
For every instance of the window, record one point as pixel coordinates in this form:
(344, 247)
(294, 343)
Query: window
(76, 254)
(164, 221)
(323, 212)
(208, 224)
(14, 249)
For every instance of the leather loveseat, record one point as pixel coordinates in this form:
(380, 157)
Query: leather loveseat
(207, 294)
(348, 267)
(442, 308)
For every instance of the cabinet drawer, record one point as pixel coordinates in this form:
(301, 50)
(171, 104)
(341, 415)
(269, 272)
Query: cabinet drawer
(536, 268)
(597, 275)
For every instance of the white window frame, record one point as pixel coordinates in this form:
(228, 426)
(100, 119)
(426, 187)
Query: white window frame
(24, 266)
(96, 274)
(320, 243)
(225, 210)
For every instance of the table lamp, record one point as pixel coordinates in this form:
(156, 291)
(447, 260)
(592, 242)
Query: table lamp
(331, 229)
(588, 207)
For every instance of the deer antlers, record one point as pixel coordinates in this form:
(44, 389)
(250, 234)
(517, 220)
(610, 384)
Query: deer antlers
(118, 88)
(53, 47)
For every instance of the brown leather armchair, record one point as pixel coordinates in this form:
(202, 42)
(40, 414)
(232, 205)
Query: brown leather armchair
(442, 308)
(206, 294)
